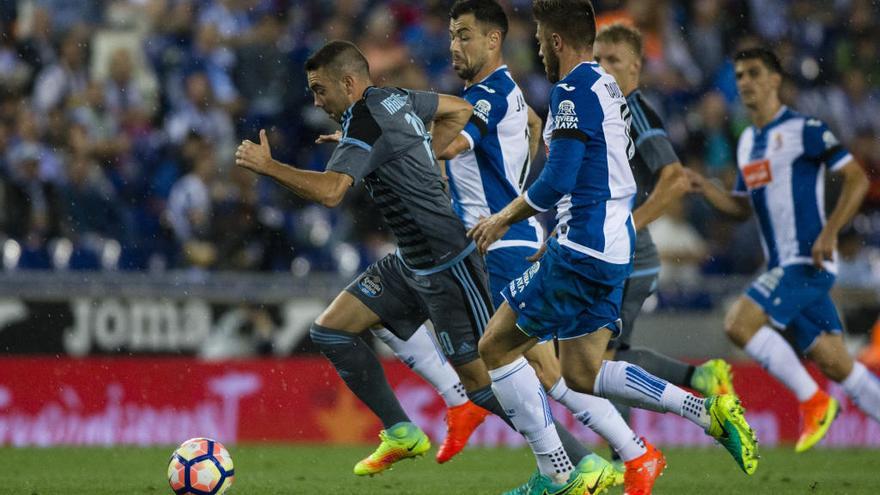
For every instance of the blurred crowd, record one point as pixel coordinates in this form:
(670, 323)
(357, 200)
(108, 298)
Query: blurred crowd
(119, 120)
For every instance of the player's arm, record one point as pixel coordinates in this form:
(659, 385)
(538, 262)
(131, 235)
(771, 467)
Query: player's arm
(855, 186)
(556, 180)
(452, 115)
(327, 188)
(733, 205)
(536, 126)
(672, 184)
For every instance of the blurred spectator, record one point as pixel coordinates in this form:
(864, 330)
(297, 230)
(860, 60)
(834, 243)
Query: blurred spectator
(64, 79)
(682, 249)
(189, 211)
(200, 113)
(107, 109)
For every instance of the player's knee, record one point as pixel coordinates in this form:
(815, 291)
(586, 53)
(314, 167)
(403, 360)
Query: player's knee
(736, 330)
(581, 381)
(835, 368)
(489, 351)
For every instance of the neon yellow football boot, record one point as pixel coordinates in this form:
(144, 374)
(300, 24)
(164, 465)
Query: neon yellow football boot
(401, 441)
(714, 377)
(729, 427)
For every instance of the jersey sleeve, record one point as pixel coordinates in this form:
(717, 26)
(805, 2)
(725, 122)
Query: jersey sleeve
(359, 133)
(650, 136)
(424, 104)
(577, 117)
(822, 146)
(489, 108)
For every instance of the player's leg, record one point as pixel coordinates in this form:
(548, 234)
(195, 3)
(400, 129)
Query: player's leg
(372, 298)
(595, 413)
(720, 416)
(819, 333)
(422, 354)
(531, 312)
(713, 377)
(746, 324)
(520, 393)
(460, 306)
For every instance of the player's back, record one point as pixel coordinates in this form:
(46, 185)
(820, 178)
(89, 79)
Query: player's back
(782, 168)
(492, 173)
(400, 173)
(594, 219)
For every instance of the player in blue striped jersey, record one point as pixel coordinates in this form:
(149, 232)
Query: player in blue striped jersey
(487, 165)
(782, 160)
(573, 293)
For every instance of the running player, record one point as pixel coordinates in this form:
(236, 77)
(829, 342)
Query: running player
(574, 292)
(782, 159)
(487, 167)
(436, 274)
(488, 163)
(661, 181)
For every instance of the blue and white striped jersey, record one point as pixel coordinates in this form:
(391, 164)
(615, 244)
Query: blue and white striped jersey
(587, 174)
(491, 174)
(782, 168)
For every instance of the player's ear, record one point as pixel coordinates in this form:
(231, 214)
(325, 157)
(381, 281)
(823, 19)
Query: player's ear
(348, 83)
(494, 39)
(556, 42)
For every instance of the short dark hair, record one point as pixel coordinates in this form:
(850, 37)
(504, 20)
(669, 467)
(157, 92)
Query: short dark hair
(769, 59)
(574, 20)
(621, 33)
(485, 11)
(339, 56)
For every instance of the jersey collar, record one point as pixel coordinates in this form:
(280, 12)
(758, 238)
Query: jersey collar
(502, 67)
(776, 120)
(591, 63)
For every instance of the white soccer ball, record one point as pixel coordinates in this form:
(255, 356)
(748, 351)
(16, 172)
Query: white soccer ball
(200, 466)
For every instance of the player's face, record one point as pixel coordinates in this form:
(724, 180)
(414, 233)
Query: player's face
(329, 93)
(469, 46)
(755, 82)
(619, 60)
(548, 56)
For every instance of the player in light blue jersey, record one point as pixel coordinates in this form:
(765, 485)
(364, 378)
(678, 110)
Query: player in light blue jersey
(782, 160)
(573, 293)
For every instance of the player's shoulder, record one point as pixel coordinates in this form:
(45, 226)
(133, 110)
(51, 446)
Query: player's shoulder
(387, 101)
(644, 114)
(494, 88)
(585, 84)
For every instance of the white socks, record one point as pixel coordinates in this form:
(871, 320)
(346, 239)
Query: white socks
(775, 354)
(864, 390)
(423, 356)
(602, 417)
(631, 385)
(520, 394)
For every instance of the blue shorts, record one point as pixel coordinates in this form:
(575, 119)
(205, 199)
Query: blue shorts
(795, 297)
(567, 295)
(504, 265)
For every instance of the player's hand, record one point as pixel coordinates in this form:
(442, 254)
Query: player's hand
(696, 183)
(824, 247)
(329, 138)
(487, 231)
(253, 156)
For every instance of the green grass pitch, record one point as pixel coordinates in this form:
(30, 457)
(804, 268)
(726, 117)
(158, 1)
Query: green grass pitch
(268, 470)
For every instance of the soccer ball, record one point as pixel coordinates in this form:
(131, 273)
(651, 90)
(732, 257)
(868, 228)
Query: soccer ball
(200, 466)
